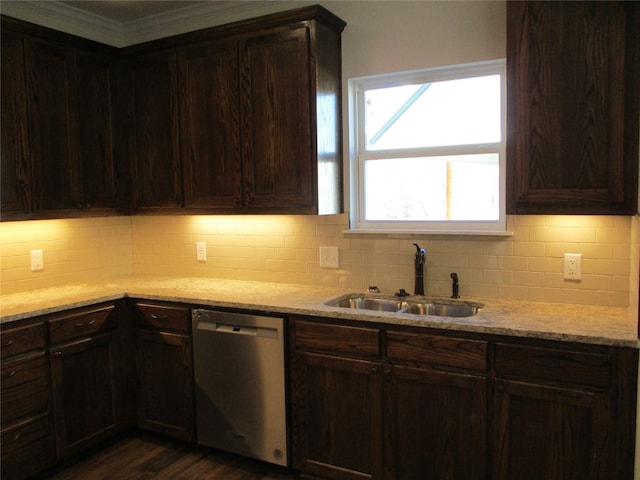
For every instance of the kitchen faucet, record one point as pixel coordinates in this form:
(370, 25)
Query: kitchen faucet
(454, 285)
(419, 261)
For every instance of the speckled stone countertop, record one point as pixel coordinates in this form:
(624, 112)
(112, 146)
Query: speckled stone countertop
(576, 323)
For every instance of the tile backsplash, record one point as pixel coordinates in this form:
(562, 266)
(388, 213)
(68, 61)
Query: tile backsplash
(525, 266)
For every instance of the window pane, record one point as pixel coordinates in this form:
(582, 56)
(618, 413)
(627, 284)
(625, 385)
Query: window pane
(454, 112)
(460, 187)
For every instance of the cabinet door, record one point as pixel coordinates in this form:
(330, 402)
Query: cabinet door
(337, 417)
(16, 191)
(87, 392)
(551, 433)
(436, 425)
(210, 126)
(572, 107)
(50, 90)
(154, 154)
(276, 123)
(97, 174)
(164, 373)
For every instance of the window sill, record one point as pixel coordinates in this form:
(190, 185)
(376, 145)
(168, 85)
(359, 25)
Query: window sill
(395, 233)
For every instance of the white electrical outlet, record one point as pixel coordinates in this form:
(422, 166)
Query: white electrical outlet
(201, 251)
(329, 257)
(37, 260)
(573, 266)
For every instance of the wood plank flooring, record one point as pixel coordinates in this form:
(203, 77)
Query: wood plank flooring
(139, 456)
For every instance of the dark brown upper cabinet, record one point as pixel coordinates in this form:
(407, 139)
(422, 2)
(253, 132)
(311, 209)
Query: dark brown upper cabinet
(242, 118)
(57, 150)
(572, 107)
(153, 147)
(209, 124)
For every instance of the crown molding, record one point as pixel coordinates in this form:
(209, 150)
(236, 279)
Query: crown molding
(68, 19)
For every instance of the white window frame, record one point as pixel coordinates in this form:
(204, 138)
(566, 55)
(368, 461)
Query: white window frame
(358, 153)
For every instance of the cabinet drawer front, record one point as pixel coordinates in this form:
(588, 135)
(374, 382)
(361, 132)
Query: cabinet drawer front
(163, 316)
(321, 337)
(551, 366)
(22, 339)
(25, 388)
(82, 323)
(438, 351)
(27, 449)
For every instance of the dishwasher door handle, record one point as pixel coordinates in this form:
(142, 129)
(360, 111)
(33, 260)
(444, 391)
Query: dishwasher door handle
(231, 329)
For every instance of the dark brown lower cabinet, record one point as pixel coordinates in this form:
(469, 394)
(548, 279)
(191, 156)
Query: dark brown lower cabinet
(436, 424)
(341, 434)
(164, 369)
(458, 407)
(86, 377)
(399, 414)
(164, 383)
(27, 442)
(564, 413)
(550, 433)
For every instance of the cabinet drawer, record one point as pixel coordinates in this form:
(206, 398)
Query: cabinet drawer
(545, 365)
(28, 448)
(437, 351)
(359, 341)
(22, 339)
(25, 388)
(163, 317)
(82, 323)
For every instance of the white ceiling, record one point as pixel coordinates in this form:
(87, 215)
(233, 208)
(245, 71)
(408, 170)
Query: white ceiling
(125, 11)
(127, 22)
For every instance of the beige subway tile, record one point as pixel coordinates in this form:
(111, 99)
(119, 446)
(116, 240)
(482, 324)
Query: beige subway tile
(482, 261)
(612, 235)
(546, 234)
(512, 263)
(529, 249)
(562, 221)
(612, 267)
(535, 279)
(498, 277)
(545, 265)
(529, 220)
(514, 292)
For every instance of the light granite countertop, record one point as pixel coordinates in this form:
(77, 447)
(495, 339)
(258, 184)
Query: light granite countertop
(615, 326)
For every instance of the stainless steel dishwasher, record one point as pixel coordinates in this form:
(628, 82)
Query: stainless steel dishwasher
(240, 384)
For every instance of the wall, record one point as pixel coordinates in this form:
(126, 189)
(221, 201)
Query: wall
(75, 250)
(526, 266)
(380, 37)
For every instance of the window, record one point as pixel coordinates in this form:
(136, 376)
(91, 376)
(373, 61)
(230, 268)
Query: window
(429, 150)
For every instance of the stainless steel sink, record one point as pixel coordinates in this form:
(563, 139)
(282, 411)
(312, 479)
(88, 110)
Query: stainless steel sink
(441, 309)
(436, 307)
(366, 303)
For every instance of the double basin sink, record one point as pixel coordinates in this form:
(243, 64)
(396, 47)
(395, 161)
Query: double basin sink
(422, 306)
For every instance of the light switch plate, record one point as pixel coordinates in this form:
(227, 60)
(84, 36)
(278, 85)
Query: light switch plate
(201, 251)
(37, 260)
(329, 257)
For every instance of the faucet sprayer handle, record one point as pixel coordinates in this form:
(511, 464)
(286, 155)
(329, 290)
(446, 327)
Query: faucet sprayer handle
(420, 254)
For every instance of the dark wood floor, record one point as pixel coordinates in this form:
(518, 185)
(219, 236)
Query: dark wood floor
(138, 456)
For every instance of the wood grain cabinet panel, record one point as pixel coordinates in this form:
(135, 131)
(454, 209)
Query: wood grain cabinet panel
(153, 136)
(86, 376)
(27, 446)
(57, 147)
(17, 175)
(164, 369)
(209, 122)
(573, 89)
(563, 414)
(436, 424)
